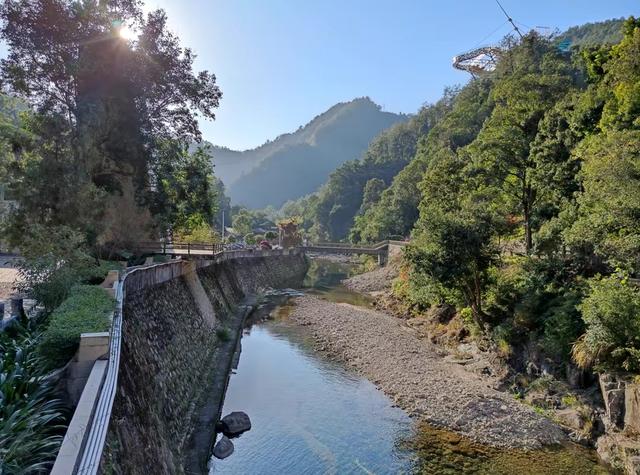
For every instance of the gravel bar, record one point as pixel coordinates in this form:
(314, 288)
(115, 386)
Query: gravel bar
(418, 380)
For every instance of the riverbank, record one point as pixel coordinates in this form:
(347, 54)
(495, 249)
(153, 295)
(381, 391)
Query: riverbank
(410, 371)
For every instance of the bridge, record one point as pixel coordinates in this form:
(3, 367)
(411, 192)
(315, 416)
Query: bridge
(383, 249)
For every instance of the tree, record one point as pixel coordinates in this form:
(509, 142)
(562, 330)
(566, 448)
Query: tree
(242, 222)
(461, 115)
(609, 206)
(186, 193)
(372, 191)
(103, 105)
(611, 312)
(534, 77)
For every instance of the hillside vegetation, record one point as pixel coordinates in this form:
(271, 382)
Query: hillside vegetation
(607, 32)
(296, 164)
(520, 192)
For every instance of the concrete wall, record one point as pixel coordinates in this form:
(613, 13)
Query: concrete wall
(169, 342)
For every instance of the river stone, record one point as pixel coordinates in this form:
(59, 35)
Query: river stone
(223, 448)
(235, 423)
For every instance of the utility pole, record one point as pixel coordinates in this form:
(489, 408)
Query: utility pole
(222, 230)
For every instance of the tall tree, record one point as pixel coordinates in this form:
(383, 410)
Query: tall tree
(112, 100)
(530, 81)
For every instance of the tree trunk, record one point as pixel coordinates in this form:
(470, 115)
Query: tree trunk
(526, 208)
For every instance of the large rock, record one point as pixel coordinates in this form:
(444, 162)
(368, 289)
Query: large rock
(577, 377)
(621, 452)
(632, 408)
(235, 424)
(612, 389)
(223, 448)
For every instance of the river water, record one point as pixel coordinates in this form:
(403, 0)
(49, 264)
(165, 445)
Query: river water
(312, 416)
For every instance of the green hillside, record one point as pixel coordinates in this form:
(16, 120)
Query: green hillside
(296, 164)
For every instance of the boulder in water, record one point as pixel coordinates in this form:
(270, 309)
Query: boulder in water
(223, 448)
(235, 424)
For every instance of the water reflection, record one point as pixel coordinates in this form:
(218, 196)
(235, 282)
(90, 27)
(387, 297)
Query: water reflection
(324, 280)
(309, 415)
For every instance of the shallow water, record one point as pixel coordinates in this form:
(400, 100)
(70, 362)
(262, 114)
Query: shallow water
(308, 414)
(312, 416)
(324, 280)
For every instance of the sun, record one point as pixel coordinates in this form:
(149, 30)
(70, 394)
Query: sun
(127, 33)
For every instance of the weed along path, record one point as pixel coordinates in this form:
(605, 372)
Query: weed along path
(333, 387)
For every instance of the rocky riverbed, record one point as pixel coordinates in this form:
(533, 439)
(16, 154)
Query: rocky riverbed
(410, 371)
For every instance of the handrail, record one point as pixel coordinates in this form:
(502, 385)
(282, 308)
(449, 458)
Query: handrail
(134, 279)
(97, 431)
(99, 425)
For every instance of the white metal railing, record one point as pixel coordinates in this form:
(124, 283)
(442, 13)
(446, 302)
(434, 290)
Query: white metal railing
(96, 433)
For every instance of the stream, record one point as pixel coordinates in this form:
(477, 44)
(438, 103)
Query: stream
(310, 415)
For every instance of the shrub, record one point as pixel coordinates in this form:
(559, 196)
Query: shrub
(611, 313)
(562, 324)
(223, 334)
(196, 231)
(86, 310)
(271, 235)
(31, 420)
(250, 239)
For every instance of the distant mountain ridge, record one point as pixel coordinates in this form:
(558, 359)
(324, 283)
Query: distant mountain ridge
(295, 164)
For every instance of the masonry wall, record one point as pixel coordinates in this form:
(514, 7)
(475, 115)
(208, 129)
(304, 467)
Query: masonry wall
(169, 348)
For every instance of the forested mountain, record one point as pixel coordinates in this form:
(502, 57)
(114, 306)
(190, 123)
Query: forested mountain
(520, 194)
(296, 164)
(357, 184)
(594, 34)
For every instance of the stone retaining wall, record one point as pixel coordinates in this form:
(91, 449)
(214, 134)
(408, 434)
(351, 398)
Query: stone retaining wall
(169, 351)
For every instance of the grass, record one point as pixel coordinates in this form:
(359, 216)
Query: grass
(86, 310)
(570, 400)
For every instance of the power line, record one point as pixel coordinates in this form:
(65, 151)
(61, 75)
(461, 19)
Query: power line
(490, 34)
(509, 19)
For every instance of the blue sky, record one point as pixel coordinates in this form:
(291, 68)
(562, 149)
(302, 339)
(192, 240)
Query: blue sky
(281, 62)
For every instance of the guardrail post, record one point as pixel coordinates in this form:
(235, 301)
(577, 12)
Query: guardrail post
(188, 249)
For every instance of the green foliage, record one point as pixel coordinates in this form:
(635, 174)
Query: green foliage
(611, 312)
(86, 310)
(525, 187)
(343, 196)
(196, 230)
(187, 195)
(593, 34)
(54, 261)
(460, 116)
(609, 206)
(86, 150)
(250, 239)
(31, 420)
(242, 222)
(223, 334)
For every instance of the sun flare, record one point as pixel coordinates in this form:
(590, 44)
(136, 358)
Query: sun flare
(127, 33)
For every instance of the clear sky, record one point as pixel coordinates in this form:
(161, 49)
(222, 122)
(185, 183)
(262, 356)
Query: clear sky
(281, 62)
